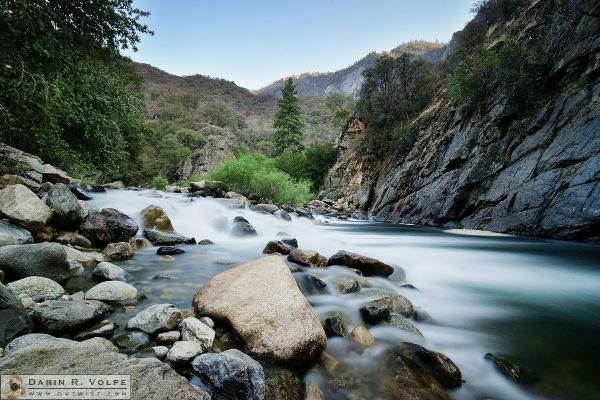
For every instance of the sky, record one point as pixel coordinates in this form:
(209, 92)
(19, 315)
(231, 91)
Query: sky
(256, 42)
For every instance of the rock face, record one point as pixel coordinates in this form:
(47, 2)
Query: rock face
(68, 213)
(44, 354)
(154, 217)
(48, 260)
(157, 317)
(37, 287)
(13, 234)
(534, 174)
(366, 265)
(262, 303)
(14, 320)
(108, 226)
(219, 147)
(233, 374)
(62, 316)
(23, 207)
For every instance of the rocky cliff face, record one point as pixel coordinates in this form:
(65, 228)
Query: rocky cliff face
(538, 175)
(219, 147)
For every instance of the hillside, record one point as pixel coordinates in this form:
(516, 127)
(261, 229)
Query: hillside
(533, 173)
(349, 80)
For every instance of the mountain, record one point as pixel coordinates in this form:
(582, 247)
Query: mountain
(534, 173)
(349, 80)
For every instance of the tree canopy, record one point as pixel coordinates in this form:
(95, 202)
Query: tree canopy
(288, 123)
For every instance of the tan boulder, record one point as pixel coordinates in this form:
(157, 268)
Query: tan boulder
(23, 207)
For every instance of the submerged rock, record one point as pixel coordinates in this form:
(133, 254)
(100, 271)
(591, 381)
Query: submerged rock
(158, 238)
(48, 260)
(307, 258)
(44, 354)
(283, 215)
(376, 310)
(104, 329)
(157, 317)
(132, 341)
(169, 250)
(403, 324)
(14, 319)
(262, 303)
(24, 208)
(108, 226)
(154, 217)
(335, 326)
(233, 374)
(362, 336)
(139, 243)
(366, 265)
(346, 285)
(36, 287)
(13, 234)
(507, 368)
(438, 364)
(289, 241)
(63, 316)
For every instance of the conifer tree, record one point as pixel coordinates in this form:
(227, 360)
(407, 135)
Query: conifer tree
(287, 122)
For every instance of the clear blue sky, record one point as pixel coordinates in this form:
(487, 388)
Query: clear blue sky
(255, 42)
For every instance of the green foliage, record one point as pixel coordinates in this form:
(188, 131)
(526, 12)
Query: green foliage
(288, 123)
(220, 115)
(170, 153)
(512, 72)
(312, 164)
(159, 182)
(341, 106)
(403, 139)
(65, 93)
(256, 173)
(293, 164)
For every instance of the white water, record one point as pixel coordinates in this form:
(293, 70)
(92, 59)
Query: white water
(475, 286)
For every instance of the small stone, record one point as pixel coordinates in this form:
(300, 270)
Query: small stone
(37, 287)
(183, 351)
(27, 302)
(157, 317)
(116, 291)
(79, 296)
(168, 337)
(139, 243)
(206, 242)
(269, 208)
(169, 250)
(290, 242)
(154, 217)
(438, 364)
(367, 265)
(132, 341)
(347, 285)
(118, 251)
(103, 329)
(376, 310)
(208, 322)
(194, 330)
(163, 277)
(108, 271)
(307, 258)
(335, 326)
(160, 352)
(362, 336)
(241, 227)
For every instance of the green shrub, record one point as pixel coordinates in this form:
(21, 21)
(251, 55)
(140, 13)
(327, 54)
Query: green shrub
(256, 173)
(293, 164)
(471, 79)
(159, 182)
(319, 160)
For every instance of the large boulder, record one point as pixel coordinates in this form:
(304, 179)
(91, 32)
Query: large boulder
(262, 303)
(42, 259)
(154, 217)
(159, 238)
(108, 226)
(37, 287)
(44, 354)
(55, 175)
(13, 234)
(366, 265)
(68, 213)
(23, 207)
(16, 161)
(64, 316)
(233, 374)
(14, 320)
(157, 317)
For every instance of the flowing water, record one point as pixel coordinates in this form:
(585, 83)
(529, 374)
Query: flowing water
(535, 302)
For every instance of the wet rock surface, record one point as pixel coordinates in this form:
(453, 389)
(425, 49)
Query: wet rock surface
(62, 316)
(307, 258)
(108, 226)
(158, 238)
(366, 265)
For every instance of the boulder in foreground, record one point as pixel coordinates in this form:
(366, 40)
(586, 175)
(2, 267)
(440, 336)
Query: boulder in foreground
(48, 260)
(262, 303)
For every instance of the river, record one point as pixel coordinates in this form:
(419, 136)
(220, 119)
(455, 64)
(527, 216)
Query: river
(535, 302)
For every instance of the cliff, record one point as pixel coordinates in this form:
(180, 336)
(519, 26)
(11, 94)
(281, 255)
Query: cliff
(535, 175)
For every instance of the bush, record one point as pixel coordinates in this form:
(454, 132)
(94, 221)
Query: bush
(312, 164)
(471, 79)
(159, 182)
(256, 173)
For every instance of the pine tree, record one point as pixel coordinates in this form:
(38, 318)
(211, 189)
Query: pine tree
(287, 122)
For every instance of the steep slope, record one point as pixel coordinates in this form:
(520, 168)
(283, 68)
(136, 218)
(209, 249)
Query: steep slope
(349, 80)
(537, 175)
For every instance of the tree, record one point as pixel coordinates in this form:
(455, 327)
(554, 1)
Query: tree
(288, 135)
(341, 107)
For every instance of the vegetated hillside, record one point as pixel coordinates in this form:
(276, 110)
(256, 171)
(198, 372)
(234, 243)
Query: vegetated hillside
(511, 141)
(349, 80)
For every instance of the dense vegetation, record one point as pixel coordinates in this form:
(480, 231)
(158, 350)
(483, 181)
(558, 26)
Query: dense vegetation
(288, 122)
(65, 93)
(257, 173)
(310, 165)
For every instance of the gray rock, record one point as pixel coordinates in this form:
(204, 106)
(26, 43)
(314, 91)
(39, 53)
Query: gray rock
(154, 217)
(88, 259)
(2, 276)
(507, 368)
(275, 246)
(113, 291)
(158, 238)
(262, 303)
(104, 329)
(13, 234)
(438, 364)
(63, 316)
(168, 337)
(403, 324)
(346, 285)
(183, 351)
(233, 374)
(270, 208)
(37, 287)
(14, 319)
(283, 215)
(220, 146)
(44, 354)
(109, 272)
(366, 265)
(208, 322)
(72, 238)
(108, 226)
(196, 331)
(160, 352)
(118, 251)
(132, 341)
(290, 242)
(68, 213)
(55, 175)
(24, 208)
(138, 243)
(307, 257)
(157, 317)
(376, 310)
(241, 227)
(48, 260)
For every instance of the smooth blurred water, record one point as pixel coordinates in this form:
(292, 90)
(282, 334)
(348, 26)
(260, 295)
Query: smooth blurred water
(535, 302)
